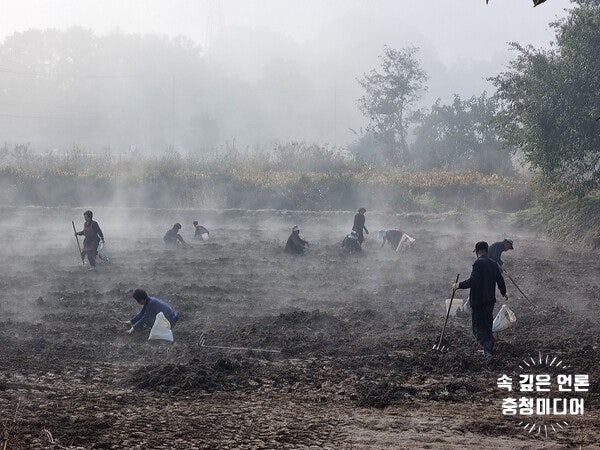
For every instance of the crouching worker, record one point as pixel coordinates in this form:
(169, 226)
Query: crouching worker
(172, 237)
(151, 306)
(351, 243)
(200, 231)
(390, 236)
(396, 238)
(295, 245)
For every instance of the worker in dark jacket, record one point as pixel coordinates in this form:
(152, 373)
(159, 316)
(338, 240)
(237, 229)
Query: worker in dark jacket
(172, 237)
(93, 235)
(359, 224)
(482, 282)
(151, 306)
(494, 253)
(351, 243)
(496, 249)
(295, 245)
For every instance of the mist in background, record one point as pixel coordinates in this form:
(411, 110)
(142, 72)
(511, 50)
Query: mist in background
(203, 75)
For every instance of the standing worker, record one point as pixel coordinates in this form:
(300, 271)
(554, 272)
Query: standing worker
(482, 282)
(295, 245)
(92, 237)
(151, 306)
(359, 224)
(494, 253)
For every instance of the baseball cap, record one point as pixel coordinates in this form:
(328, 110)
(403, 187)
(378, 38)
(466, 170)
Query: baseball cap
(481, 245)
(295, 228)
(510, 242)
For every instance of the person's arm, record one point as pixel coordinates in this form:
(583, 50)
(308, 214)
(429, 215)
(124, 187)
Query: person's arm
(366, 231)
(180, 239)
(97, 230)
(137, 321)
(500, 282)
(472, 280)
(383, 243)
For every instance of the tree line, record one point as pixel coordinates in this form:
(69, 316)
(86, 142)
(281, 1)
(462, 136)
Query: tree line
(545, 109)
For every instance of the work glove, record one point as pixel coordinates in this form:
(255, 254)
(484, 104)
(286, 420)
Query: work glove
(455, 286)
(130, 330)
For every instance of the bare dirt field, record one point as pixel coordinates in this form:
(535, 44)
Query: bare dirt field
(356, 369)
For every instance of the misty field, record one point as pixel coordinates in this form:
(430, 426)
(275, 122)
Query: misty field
(355, 370)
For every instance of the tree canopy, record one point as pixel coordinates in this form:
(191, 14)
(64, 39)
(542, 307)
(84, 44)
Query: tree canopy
(550, 100)
(389, 95)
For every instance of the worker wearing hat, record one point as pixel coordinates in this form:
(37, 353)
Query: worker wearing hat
(295, 245)
(494, 253)
(496, 249)
(484, 277)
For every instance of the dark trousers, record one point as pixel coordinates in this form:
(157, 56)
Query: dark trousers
(361, 236)
(91, 256)
(483, 318)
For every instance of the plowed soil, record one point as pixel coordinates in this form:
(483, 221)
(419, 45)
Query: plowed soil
(355, 334)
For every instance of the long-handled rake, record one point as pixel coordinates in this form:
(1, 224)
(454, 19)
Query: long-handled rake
(439, 347)
(532, 305)
(78, 245)
(202, 341)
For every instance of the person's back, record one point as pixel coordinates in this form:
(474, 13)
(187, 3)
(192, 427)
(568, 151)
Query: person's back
(483, 286)
(495, 251)
(295, 245)
(351, 243)
(172, 236)
(200, 230)
(156, 305)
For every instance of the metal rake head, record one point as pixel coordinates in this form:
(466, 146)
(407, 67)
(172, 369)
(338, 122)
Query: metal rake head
(441, 348)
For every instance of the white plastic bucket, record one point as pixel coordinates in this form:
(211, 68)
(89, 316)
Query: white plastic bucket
(504, 319)
(161, 329)
(204, 236)
(456, 303)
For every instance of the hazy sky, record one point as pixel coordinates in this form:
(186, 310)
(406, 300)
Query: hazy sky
(457, 29)
(323, 44)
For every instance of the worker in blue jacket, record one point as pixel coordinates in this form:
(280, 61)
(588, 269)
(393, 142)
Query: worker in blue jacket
(151, 306)
(482, 282)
